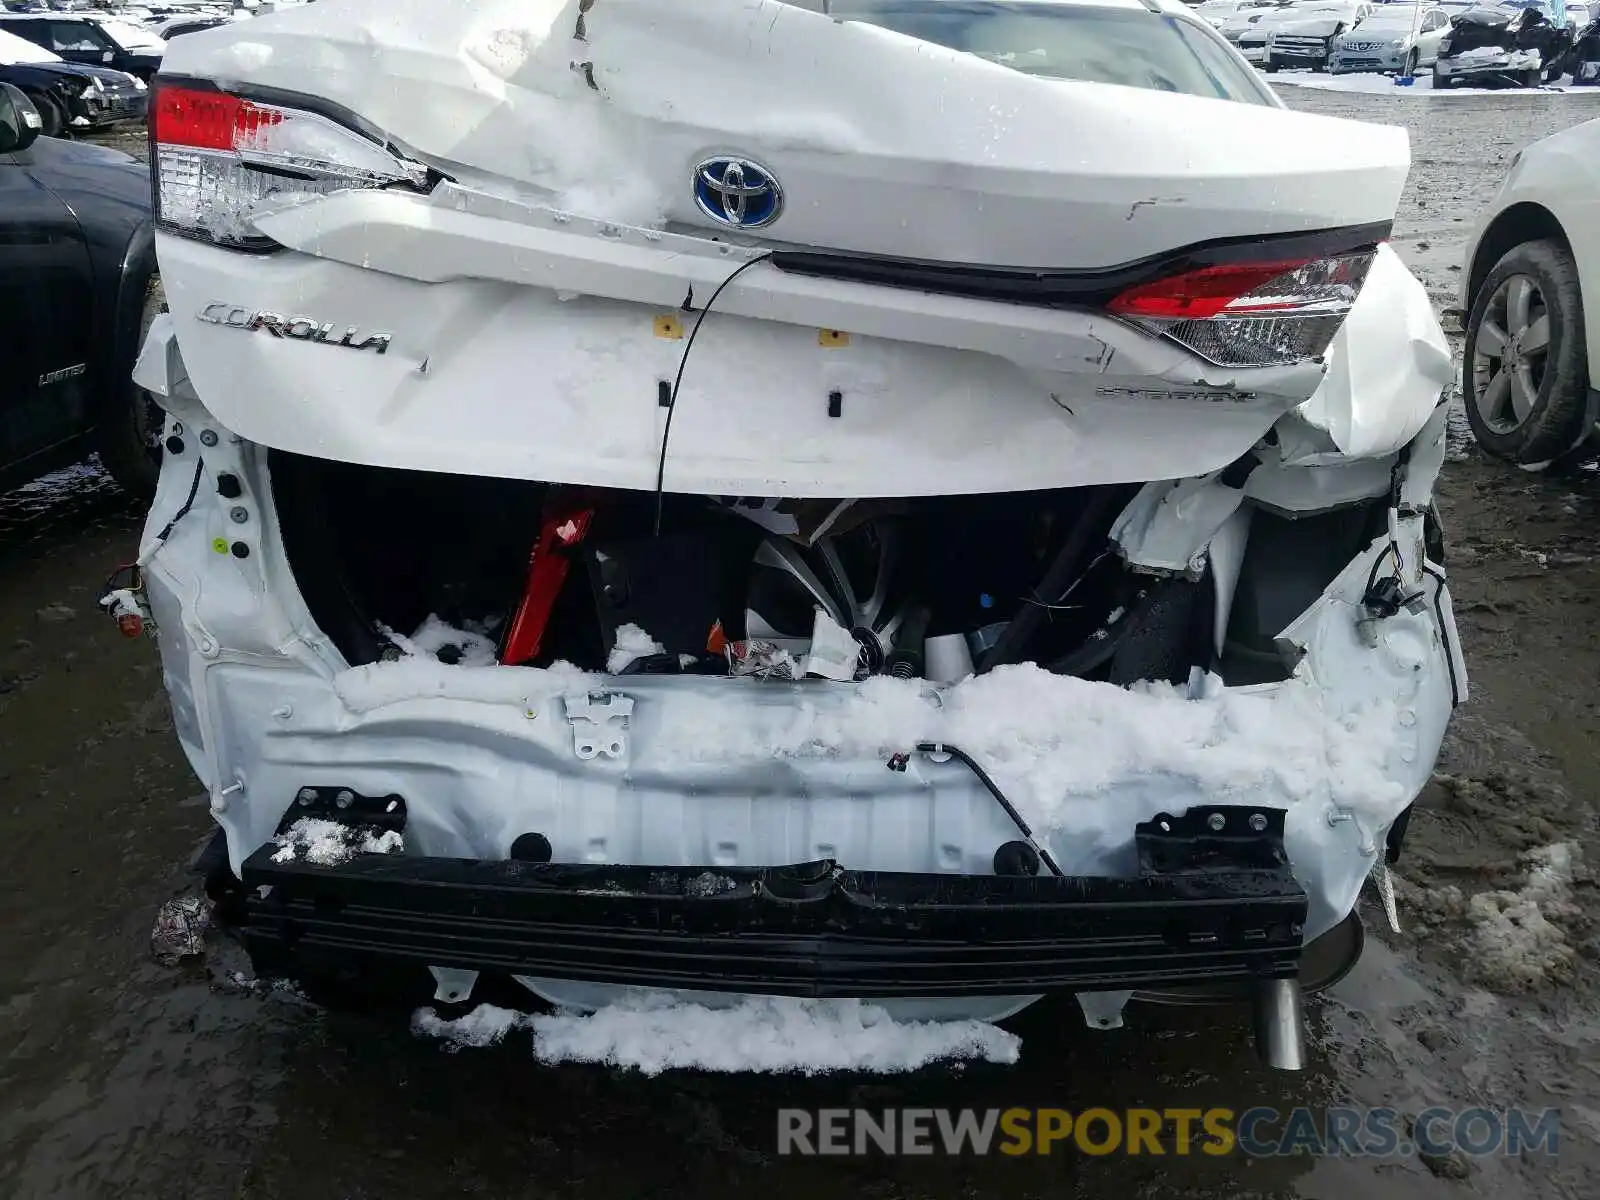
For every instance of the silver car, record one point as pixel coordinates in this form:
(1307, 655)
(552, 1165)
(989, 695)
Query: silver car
(1396, 38)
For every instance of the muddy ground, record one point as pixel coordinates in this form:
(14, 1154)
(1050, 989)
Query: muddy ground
(121, 1077)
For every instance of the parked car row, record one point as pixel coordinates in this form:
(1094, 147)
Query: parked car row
(1517, 42)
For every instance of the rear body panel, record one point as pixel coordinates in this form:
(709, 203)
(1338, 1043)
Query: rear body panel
(525, 317)
(983, 175)
(534, 306)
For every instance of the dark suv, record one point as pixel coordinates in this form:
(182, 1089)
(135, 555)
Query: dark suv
(89, 40)
(78, 290)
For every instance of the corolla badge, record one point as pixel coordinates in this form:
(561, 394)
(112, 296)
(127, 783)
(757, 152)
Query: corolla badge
(300, 329)
(737, 192)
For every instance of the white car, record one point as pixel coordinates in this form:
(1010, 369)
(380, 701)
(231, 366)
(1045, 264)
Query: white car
(848, 542)
(1528, 378)
(1219, 12)
(1322, 17)
(1398, 38)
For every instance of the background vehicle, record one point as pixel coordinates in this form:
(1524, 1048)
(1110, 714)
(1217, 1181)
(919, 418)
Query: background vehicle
(1304, 37)
(1583, 60)
(80, 38)
(1528, 379)
(68, 96)
(1219, 12)
(1249, 30)
(171, 27)
(1393, 38)
(78, 288)
(1510, 45)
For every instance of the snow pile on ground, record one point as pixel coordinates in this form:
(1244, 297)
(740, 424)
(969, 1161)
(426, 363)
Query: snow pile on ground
(328, 843)
(632, 643)
(485, 1025)
(655, 1032)
(1517, 946)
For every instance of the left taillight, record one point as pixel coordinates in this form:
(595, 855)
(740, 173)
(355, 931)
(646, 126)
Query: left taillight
(219, 161)
(1252, 314)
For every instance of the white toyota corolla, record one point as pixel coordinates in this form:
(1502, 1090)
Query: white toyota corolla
(922, 501)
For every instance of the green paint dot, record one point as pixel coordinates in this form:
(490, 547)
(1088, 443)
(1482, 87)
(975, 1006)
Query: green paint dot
(220, 545)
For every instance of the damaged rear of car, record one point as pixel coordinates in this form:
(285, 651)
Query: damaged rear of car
(1516, 46)
(816, 546)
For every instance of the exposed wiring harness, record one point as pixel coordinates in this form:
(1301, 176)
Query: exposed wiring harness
(994, 790)
(672, 397)
(130, 576)
(183, 511)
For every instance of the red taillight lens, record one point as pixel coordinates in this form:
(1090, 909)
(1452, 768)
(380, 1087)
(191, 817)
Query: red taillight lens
(1251, 314)
(1199, 295)
(221, 161)
(208, 120)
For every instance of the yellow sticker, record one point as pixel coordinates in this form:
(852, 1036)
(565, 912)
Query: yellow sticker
(220, 545)
(670, 328)
(832, 337)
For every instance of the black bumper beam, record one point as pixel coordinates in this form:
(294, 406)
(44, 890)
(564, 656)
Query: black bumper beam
(1207, 906)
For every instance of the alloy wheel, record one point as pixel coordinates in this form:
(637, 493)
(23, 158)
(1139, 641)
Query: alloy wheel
(1510, 354)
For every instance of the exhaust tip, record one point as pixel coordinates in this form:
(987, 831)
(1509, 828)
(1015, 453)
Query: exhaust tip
(1280, 1033)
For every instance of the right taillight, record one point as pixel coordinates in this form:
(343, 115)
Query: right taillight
(1251, 314)
(220, 160)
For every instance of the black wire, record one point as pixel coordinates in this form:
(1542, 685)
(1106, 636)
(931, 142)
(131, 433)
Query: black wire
(672, 399)
(194, 490)
(994, 790)
(1377, 565)
(1444, 634)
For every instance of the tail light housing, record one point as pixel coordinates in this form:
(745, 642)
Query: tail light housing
(1251, 314)
(218, 161)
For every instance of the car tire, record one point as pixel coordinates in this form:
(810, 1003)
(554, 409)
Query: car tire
(1526, 390)
(1270, 66)
(1441, 83)
(1532, 79)
(52, 119)
(1413, 61)
(130, 436)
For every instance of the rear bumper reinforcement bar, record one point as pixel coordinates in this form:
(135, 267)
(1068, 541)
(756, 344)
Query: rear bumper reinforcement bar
(1208, 906)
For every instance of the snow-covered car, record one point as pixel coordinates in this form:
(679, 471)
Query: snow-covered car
(1252, 36)
(1398, 38)
(1240, 28)
(1528, 381)
(69, 95)
(1307, 40)
(90, 40)
(1506, 44)
(725, 498)
(168, 28)
(1218, 12)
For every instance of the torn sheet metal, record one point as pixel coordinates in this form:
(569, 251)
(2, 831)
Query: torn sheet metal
(1375, 400)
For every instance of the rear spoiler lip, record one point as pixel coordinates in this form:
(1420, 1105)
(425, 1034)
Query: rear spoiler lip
(1050, 287)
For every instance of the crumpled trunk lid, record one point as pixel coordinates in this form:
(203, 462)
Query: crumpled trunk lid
(882, 144)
